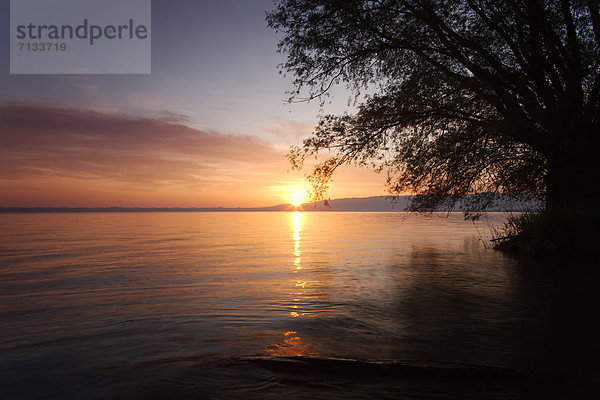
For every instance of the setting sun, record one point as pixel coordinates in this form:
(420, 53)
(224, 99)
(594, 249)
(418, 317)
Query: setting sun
(297, 199)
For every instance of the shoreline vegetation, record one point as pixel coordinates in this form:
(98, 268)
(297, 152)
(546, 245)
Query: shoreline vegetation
(551, 233)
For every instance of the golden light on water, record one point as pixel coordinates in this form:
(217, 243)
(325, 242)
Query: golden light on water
(297, 239)
(297, 257)
(296, 225)
(291, 345)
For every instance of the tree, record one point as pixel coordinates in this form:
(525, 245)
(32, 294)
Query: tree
(467, 96)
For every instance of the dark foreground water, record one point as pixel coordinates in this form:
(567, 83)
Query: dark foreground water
(286, 306)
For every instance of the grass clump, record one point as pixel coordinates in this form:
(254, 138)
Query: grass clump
(564, 232)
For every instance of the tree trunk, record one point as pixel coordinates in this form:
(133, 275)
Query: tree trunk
(573, 177)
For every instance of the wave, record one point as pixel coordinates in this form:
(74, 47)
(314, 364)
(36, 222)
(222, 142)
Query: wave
(382, 368)
(307, 377)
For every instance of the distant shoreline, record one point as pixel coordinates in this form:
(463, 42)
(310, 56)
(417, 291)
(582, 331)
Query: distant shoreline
(43, 210)
(363, 204)
(134, 209)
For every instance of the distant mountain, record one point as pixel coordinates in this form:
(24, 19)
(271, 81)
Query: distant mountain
(374, 203)
(361, 204)
(401, 203)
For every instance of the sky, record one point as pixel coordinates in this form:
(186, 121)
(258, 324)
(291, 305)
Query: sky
(210, 126)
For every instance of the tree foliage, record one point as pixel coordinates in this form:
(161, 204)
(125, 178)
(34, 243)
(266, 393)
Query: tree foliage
(469, 96)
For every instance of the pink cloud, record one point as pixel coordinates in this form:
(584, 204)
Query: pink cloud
(37, 141)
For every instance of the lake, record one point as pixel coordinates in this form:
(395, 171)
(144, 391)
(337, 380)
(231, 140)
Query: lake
(286, 305)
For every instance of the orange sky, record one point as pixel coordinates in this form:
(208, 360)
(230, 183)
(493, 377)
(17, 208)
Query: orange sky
(210, 126)
(73, 157)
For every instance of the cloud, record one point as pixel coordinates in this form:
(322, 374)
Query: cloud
(40, 141)
(290, 129)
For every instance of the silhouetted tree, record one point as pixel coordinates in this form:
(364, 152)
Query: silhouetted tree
(470, 96)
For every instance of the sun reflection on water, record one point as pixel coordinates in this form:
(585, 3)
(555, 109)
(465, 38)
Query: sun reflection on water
(292, 345)
(297, 241)
(297, 267)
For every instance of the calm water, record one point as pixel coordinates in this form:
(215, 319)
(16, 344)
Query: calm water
(220, 305)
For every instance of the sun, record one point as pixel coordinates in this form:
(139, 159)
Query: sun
(295, 195)
(296, 199)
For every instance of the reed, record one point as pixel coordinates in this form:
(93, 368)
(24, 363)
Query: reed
(564, 232)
